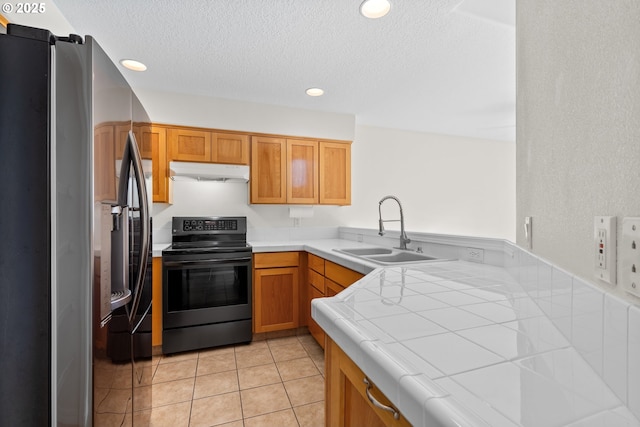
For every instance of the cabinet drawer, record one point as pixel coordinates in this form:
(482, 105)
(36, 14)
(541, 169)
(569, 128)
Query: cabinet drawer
(341, 275)
(331, 288)
(316, 263)
(275, 259)
(316, 280)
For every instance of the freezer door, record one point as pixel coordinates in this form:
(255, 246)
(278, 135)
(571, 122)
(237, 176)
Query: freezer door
(25, 227)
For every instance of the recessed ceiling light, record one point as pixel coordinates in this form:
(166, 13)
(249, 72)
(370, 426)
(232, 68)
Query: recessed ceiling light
(315, 91)
(375, 8)
(133, 65)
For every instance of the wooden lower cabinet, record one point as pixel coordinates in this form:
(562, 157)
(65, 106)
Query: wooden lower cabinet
(275, 291)
(346, 401)
(332, 288)
(314, 329)
(156, 307)
(325, 279)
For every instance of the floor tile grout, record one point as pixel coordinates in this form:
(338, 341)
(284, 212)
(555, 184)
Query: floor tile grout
(282, 348)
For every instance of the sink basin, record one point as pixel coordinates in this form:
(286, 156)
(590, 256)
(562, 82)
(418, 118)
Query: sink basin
(387, 256)
(401, 257)
(365, 251)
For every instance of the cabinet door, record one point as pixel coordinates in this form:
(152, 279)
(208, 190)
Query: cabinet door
(230, 148)
(302, 171)
(314, 329)
(346, 394)
(154, 138)
(275, 299)
(268, 170)
(335, 173)
(189, 145)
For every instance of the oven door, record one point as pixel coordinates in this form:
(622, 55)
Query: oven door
(204, 289)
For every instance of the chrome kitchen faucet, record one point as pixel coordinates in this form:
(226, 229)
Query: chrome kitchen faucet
(403, 236)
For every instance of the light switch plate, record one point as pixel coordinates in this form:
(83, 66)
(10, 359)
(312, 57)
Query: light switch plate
(630, 256)
(604, 245)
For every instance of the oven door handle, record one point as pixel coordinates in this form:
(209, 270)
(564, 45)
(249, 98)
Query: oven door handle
(204, 263)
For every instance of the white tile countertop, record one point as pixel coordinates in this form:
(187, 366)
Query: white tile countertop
(462, 344)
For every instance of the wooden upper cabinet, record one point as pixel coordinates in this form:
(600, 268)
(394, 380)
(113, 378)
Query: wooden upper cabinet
(189, 145)
(335, 173)
(268, 170)
(155, 139)
(302, 171)
(230, 148)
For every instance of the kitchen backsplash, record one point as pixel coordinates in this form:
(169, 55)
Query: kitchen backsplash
(603, 328)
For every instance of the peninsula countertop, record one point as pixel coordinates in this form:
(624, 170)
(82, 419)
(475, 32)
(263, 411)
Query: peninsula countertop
(458, 343)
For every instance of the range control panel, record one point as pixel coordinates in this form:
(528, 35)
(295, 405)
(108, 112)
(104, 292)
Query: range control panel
(197, 225)
(208, 225)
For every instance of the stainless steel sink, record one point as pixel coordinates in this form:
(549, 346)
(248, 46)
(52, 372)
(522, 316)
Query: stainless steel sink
(365, 251)
(387, 256)
(402, 257)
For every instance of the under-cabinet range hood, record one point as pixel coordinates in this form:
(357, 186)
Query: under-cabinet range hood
(209, 171)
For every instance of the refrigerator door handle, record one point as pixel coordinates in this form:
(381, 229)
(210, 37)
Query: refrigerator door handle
(132, 157)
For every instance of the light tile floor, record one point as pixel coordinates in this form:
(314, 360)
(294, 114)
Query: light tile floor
(274, 382)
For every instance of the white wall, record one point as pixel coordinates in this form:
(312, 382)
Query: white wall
(448, 185)
(578, 116)
(194, 110)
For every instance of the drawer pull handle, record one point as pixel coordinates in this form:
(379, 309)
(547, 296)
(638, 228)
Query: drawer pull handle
(374, 401)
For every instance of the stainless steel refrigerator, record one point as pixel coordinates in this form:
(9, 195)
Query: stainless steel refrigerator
(75, 236)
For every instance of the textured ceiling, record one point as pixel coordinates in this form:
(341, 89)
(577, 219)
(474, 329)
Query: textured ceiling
(441, 66)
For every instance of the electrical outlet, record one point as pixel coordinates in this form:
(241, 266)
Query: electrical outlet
(474, 254)
(630, 256)
(604, 239)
